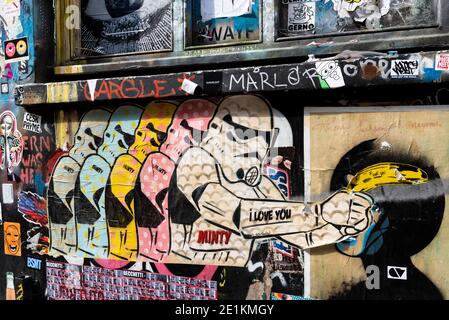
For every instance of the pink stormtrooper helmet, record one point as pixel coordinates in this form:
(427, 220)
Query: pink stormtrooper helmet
(189, 125)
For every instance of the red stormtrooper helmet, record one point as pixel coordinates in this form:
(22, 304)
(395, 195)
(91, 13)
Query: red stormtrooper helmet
(188, 128)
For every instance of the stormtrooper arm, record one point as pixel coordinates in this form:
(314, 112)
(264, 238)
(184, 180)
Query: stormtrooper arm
(340, 216)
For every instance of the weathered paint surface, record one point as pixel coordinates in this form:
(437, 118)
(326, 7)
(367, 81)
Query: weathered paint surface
(219, 196)
(349, 69)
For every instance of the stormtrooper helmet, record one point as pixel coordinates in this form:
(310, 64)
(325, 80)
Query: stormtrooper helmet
(239, 138)
(188, 128)
(119, 134)
(90, 134)
(152, 129)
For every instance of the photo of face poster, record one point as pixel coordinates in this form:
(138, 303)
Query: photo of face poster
(125, 26)
(12, 239)
(222, 22)
(397, 158)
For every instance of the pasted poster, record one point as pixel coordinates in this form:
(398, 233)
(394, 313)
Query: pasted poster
(189, 183)
(70, 282)
(12, 240)
(314, 18)
(222, 22)
(399, 158)
(17, 45)
(119, 27)
(11, 144)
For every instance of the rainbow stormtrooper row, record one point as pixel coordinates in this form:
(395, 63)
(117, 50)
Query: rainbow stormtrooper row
(185, 183)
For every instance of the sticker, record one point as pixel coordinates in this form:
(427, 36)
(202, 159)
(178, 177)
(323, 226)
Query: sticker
(34, 263)
(189, 86)
(8, 193)
(442, 62)
(213, 82)
(32, 122)
(301, 16)
(330, 74)
(404, 69)
(399, 273)
(12, 239)
(5, 88)
(16, 50)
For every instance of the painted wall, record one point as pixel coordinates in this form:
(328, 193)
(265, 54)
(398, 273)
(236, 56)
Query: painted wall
(26, 141)
(105, 176)
(228, 197)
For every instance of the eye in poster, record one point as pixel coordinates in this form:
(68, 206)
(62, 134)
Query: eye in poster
(222, 22)
(130, 26)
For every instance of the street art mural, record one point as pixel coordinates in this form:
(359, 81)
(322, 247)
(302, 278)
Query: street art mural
(420, 216)
(298, 18)
(118, 27)
(218, 22)
(186, 184)
(391, 159)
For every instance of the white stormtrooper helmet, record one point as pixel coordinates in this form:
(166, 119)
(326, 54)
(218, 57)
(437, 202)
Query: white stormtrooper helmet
(90, 134)
(119, 134)
(239, 137)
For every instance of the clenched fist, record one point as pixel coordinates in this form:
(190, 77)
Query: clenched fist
(349, 212)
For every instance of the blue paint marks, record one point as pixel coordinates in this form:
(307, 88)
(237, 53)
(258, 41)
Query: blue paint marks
(432, 75)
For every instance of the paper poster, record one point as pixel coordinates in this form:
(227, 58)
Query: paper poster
(70, 282)
(12, 239)
(442, 62)
(115, 27)
(213, 9)
(32, 122)
(301, 16)
(8, 193)
(397, 158)
(222, 22)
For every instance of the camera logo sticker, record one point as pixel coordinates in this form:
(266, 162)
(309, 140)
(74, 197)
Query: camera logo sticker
(16, 50)
(398, 273)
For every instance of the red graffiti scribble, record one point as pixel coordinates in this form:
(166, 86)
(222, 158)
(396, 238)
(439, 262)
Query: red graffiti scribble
(8, 71)
(129, 89)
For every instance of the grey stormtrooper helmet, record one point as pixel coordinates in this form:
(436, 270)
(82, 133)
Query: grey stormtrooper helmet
(90, 134)
(239, 137)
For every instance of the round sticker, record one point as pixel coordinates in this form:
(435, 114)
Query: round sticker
(10, 50)
(21, 47)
